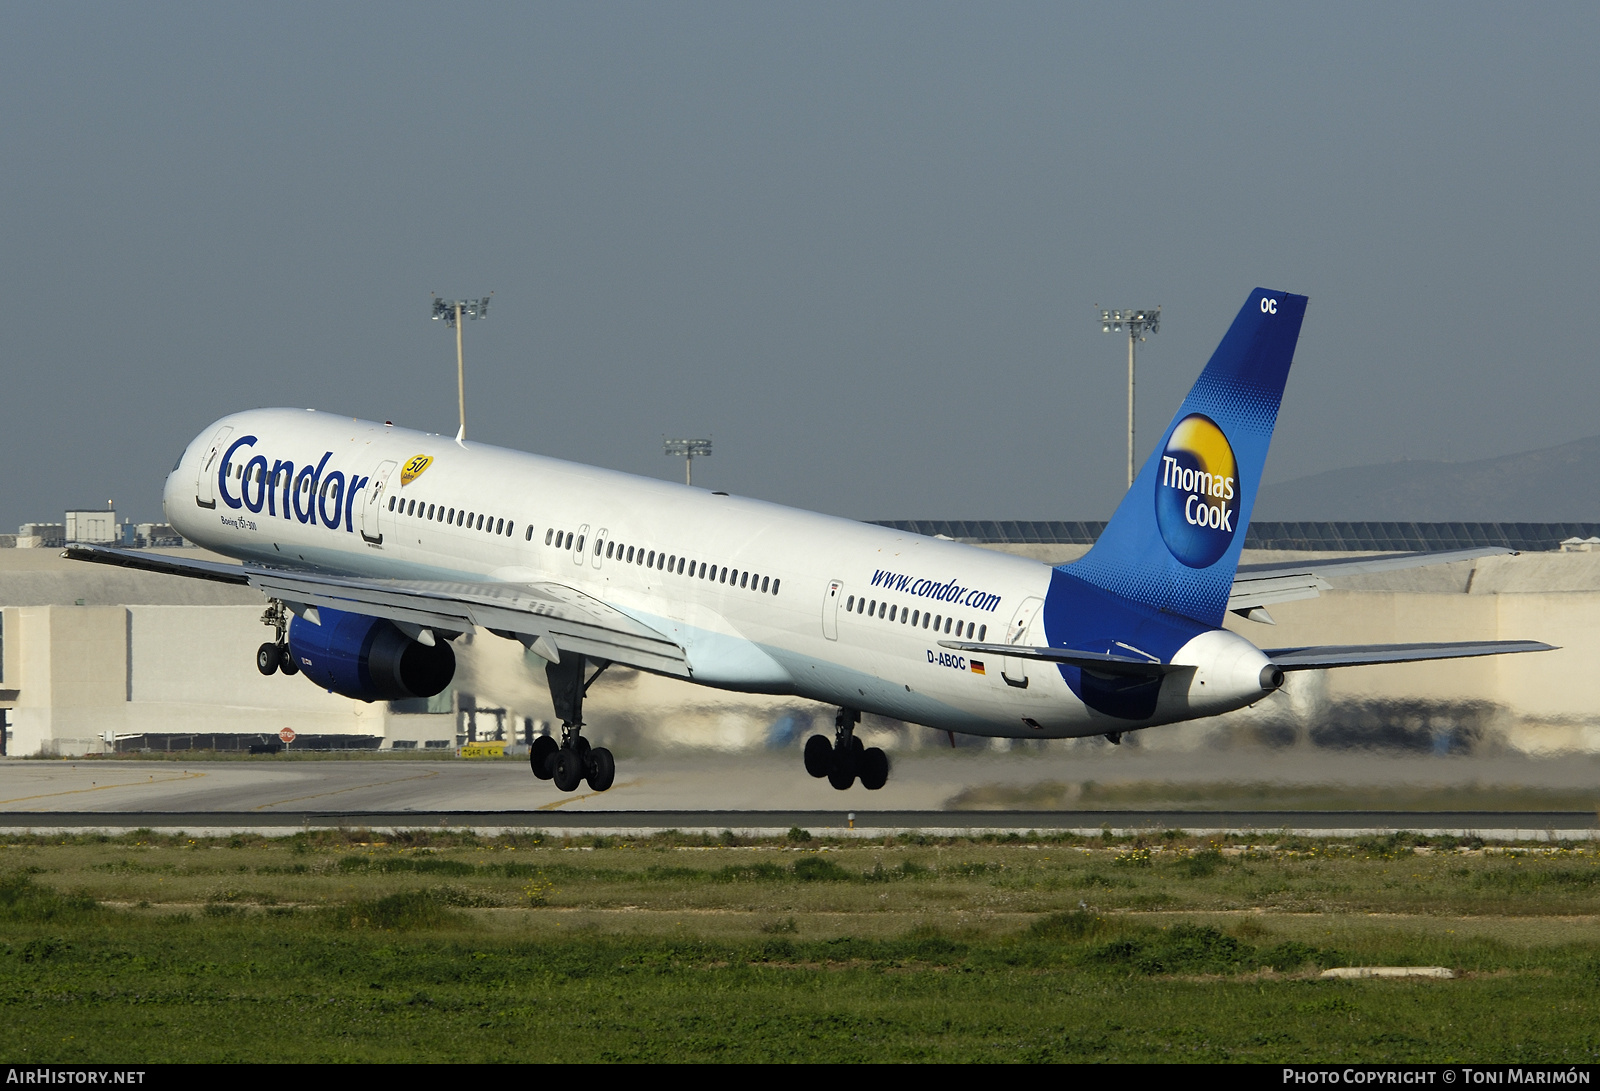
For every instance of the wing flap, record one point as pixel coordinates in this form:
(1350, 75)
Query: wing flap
(1362, 655)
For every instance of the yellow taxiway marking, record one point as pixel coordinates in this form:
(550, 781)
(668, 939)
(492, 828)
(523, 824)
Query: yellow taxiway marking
(586, 795)
(104, 787)
(338, 791)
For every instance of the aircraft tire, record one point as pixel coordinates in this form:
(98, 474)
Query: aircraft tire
(819, 755)
(842, 778)
(267, 659)
(602, 769)
(874, 769)
(540, 756)
(568, 769)
(286, 661)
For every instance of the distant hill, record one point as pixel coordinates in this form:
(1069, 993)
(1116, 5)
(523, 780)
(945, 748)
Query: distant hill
(1556, 484)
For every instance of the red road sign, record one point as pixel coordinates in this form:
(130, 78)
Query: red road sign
(287, 735)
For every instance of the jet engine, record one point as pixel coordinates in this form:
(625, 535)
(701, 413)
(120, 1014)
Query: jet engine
(367, 658)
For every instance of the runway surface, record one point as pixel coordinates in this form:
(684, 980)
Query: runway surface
(762, 794)
(767, 793)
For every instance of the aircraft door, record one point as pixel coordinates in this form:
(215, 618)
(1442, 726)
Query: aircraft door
(1015, 671)
(205, 485)
(830, 609)
(599, 545)
(377, 496)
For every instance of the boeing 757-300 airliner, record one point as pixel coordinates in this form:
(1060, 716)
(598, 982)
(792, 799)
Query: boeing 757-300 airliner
(377, 546)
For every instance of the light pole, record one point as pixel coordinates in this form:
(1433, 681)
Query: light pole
(688, 448)
(452, 311)
(1138, 323)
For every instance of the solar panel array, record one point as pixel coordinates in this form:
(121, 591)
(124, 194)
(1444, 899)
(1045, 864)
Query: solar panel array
(1323, 537)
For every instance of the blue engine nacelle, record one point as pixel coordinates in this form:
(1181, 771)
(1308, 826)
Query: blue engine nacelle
(368, 658)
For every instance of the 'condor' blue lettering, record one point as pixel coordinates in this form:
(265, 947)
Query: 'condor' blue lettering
(222, 471)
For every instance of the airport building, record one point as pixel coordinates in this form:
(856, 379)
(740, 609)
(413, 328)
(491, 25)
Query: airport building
(95, 658)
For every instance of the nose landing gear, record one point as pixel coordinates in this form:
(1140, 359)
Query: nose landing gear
(571, 761)
(845, 759)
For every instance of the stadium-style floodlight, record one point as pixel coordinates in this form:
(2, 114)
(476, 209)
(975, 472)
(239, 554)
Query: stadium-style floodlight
(452, 311)
(1137, 323)
(688, 448)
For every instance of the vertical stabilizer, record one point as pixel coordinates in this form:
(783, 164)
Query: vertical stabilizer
(1174, 542)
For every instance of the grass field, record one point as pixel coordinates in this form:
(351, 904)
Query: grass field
(442, 946)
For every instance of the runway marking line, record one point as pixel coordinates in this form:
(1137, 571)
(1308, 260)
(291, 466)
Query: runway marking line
(587, 795)
(104, 787)
(340, 791)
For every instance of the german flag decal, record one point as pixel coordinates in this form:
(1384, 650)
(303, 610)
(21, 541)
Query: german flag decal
(977, 665)
(413, 469)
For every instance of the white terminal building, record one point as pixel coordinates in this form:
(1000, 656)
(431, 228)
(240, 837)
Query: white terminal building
(94, 657)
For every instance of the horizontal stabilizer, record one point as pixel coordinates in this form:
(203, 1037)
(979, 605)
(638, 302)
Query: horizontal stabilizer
(1124, 665)
(1361, 655)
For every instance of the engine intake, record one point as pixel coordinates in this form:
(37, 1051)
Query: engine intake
(367, 658)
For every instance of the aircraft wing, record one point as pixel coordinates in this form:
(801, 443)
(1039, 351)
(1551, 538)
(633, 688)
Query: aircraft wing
(1361, 655)
(549, 617)
(1258, 585)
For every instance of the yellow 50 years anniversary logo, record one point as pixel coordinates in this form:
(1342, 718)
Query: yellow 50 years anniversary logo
(413, 469)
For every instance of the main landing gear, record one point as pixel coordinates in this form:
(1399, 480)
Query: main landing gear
(845, 759)
(571, 761)
(274, 656)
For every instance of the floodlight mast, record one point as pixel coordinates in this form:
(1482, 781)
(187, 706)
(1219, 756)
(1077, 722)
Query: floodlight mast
(1138, 323)
(452, 311)
(688, 448)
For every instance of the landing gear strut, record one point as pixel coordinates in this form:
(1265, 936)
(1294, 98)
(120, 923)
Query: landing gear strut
(571, 761)
(274, 656)
(845, 759)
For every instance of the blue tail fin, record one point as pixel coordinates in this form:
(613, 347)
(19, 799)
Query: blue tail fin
(1174, 542)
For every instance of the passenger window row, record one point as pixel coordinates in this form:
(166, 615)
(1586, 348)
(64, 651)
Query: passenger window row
(663, 562)
(938, 623)
(438, 513)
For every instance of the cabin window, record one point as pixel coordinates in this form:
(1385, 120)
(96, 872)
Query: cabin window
(672, 563)
(916, 616)
(935, 622)
(946, 626)
(597, 547)
(548, 534)
(630, 554)
(500, 526)
(775, 586)
(651, 562)
(568, 544)
(905, 616)
(744, 579)
(763, 585)
(391, 503)
(609, 547)
(430, 513)
(702, 570)
(580, 543)
(680, 566)
(891, 613)
(480, 523)
(983, 632)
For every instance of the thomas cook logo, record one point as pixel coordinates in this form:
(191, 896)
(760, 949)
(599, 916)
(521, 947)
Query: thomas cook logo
(413, 469)
(1197, 499)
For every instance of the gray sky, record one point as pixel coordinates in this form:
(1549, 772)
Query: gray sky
(858, 244)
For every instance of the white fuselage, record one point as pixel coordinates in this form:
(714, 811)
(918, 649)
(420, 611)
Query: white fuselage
(800, 630)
